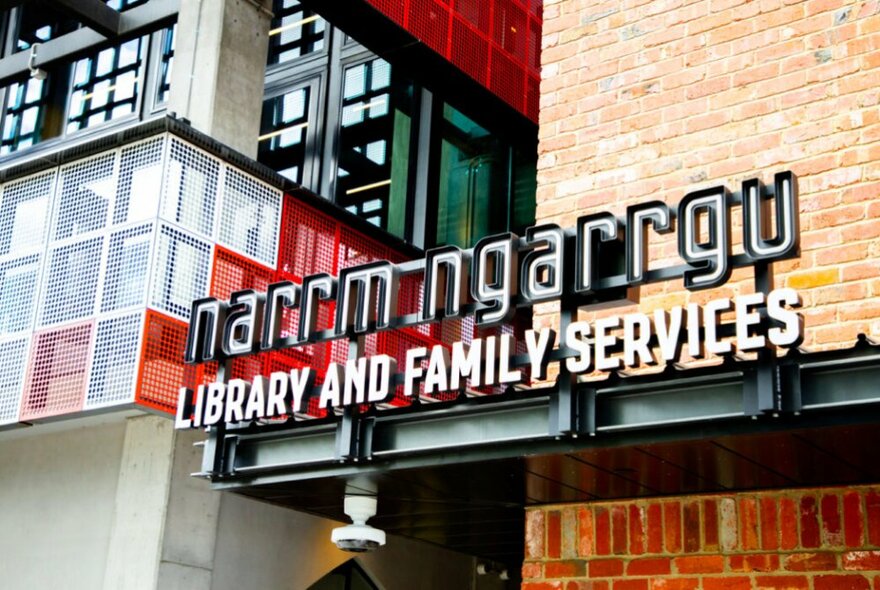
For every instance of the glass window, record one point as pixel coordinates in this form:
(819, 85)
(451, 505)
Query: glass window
(374, 145)
(472, 181)
(24, 111)
(167, 61)
(106, 85)
(282, 142)
(123, 5)
(39, 23)
(295, 31)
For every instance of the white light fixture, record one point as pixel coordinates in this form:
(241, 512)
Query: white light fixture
(278, 132)
(366, 187)
(36, 73)
(293, 25)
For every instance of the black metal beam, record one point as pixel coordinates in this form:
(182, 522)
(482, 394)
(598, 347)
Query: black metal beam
(137, 21)
(94, 14)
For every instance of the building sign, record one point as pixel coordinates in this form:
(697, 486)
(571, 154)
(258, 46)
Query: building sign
(600, 261)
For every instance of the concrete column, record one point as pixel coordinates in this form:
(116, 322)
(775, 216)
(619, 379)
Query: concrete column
(219, 65)
(140, 504)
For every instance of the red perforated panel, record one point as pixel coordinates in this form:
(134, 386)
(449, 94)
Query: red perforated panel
(162, 372)
(58, 372)
(481, 37)
(233, 273)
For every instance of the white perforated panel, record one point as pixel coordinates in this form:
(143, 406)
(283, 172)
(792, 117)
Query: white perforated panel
(24, 214)
(128, 266)
(115, 362)
(13, 359)
(72, 281)
(249, 217)
(191, 183)
(18, 292)
(83, 201)
(58, 371)
(140, 181)
(180, 272)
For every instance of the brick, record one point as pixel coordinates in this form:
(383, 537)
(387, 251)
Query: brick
(861, 560)
(748, 523)
(782, 583)
(618, 530)
(691, 527)
(728, 527)
(832, 533)
(587, 585)
(672, 526)
(812, 278)
(534, 533)
(757, 562)
(710, 525)
(636, 529)
(605, 568)
(852, 519)
(655, 528)
(630, 585)
(709, 564)
(564, 569)
(542, 585)
(675, 584)
(810, 562)
(585, 532)
(532, 570)
(809, 523)
(603, 531)
(872, 512)
(649, 566)
(554, 535)
(727, 583)
(769, 524)
(841, 582)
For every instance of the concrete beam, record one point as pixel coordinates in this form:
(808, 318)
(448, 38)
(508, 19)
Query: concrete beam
(92, 13)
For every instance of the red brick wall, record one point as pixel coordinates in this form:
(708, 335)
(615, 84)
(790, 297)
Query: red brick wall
(652, 99)
(816, 539)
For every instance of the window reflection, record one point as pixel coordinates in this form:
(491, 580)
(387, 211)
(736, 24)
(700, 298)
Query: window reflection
(294, 32)
(24, 112)
(283, 133)
(374, 143)
(106, 85)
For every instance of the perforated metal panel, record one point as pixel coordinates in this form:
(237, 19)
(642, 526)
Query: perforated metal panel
(87, 189)
(181, 268)
(71, 281)
(57, 372)
(496, 42)
(140, 181)
(115, 362)
(19, 280)
(308, 240)
(190, 188)
(356, 248)
(13, 361)
(249, 217)
(162, 372)
(127, 270)
(24, 214)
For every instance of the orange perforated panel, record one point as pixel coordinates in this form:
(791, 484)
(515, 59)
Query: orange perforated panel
(496, 42)
(233, 273)
(309, 240)
(162, 372)
(58, 371)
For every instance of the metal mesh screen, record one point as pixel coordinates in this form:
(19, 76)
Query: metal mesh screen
(18, 289)
(496, 42)
(234, 273)
(115, 362)
(72, 281)
(162, 371)
(180, 275)
(249, 217)
(140, 182)
(24, 214)
(58, 372)
(190, 188)
(127, 269)
(83, 201)
(308, 240)
(13, 358)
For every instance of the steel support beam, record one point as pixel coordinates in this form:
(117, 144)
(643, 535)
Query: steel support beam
(94, 14)
(137, 21)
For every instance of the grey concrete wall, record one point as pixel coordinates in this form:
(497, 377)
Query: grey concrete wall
(57, 491)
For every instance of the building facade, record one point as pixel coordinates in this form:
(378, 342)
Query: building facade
(675, 318)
